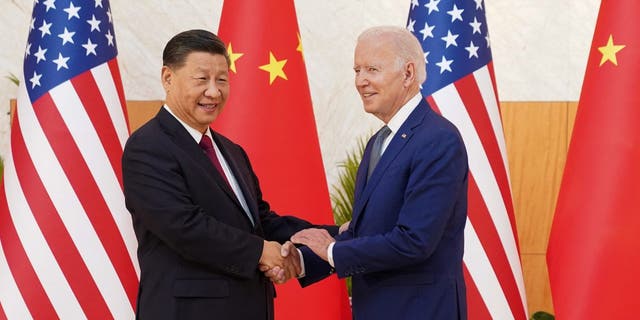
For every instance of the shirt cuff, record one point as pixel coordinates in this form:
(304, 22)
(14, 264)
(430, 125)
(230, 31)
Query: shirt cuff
(302, 269)
(330, 254)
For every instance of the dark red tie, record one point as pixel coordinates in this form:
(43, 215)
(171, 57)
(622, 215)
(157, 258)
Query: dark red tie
(207, 146)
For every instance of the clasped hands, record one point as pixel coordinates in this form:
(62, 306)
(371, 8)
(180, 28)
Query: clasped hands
(281, 263)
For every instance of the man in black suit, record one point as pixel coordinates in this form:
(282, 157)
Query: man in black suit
(202, 226)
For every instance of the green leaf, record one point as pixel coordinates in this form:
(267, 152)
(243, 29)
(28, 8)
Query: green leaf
(13, 78)
(542, 315)
(342, 193)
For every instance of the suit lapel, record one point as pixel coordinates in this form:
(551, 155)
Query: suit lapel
(184, 140)
(239, 174)
(394, 149)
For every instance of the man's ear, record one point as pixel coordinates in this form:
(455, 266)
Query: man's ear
(409, 73)
(165, 76)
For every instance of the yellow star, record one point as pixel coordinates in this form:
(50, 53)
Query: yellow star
(609, 51)
(274, 68)
(233, 57)
(299, 48)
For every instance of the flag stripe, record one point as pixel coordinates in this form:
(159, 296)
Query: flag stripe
(110, 91)
(2, 315)
(107, 78)
(94, 106)
(83, 162)
(20, 271)
(483, 276)
(476, 308)
(478, 111)
(499, 148)
(11, 304)
(108, 176)
(52, 229)
(42, 259)
(486, 82)
(488, 236)
(479, 165)
(51, 178)
(484, 77)
(62, 192)
(482, 219)
(108, 88)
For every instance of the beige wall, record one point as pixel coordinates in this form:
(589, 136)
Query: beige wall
(539, 50)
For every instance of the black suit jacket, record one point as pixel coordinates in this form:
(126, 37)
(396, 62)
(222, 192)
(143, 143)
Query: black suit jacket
(198, 251)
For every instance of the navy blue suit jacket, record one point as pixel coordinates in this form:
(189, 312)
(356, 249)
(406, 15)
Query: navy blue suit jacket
(404, 246)
(198, 250)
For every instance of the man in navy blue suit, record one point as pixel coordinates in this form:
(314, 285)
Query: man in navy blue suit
(404, 246)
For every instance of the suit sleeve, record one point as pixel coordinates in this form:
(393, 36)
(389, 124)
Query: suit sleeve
(158, 196)
(437, 175)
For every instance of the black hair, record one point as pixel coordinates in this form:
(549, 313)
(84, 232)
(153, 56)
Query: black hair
(181, 45)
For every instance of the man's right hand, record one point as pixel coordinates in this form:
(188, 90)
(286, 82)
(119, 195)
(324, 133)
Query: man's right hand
(280, 265)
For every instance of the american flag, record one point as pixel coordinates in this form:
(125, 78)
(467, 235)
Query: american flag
(67, 245)
(461, 86)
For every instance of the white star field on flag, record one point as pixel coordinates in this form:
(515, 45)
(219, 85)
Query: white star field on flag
(454, 38)
(59, 27)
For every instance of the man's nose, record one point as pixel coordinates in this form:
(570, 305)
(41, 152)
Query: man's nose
(212, 90)
(361, 80)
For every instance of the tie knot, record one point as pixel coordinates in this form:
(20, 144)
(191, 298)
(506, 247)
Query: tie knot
(384, 132)
(205, 142)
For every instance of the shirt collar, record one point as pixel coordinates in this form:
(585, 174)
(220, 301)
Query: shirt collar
(197, 136)
(403, 113)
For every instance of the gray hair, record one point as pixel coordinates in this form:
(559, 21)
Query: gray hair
(408, 48)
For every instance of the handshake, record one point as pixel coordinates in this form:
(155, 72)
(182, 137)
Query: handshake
(283, 262)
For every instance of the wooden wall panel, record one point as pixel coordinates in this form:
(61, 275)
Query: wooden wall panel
(537, 135)
(536, 283)
(140, 112)
(12, 109)
(572, 108)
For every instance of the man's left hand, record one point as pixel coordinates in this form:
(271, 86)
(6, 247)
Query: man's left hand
(318, 240)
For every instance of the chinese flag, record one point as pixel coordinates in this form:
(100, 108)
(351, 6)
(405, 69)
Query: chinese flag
(269, 113)
(594, 248)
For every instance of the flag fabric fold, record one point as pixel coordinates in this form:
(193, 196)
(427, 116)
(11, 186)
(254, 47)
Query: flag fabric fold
(593, 255)
(269, 113)
(461, 86)
(67, 247)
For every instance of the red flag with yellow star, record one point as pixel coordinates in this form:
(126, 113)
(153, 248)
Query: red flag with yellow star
(269, 113)
(594, 248)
